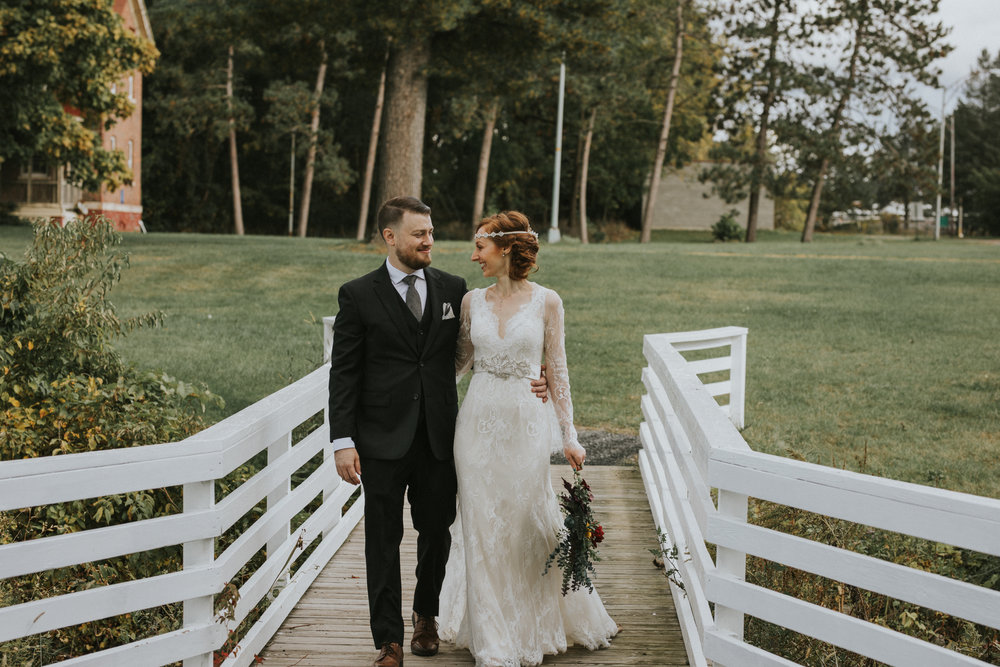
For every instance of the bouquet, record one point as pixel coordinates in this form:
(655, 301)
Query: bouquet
(576, 551)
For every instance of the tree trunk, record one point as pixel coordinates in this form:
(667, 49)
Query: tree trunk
(291, 186)
(234, 162)
(574, 201)
(817, 193)
(760, 150)
(584, 164)
(307, 177)
(366, 188)
(484, 163)
(837, 119)
(405, 111)
(661, 148)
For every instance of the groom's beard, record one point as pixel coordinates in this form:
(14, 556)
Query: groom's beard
(414, 259)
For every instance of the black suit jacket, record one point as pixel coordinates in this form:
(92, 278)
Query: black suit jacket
(383, 367)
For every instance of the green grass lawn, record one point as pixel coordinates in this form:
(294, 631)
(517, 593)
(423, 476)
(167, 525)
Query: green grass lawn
(874, 354)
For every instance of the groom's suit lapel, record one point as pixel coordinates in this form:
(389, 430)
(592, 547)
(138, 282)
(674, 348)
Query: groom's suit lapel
(389, 298)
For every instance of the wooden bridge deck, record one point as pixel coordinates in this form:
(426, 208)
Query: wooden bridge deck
(329, 626)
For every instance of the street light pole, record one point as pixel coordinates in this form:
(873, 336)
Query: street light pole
(554, 228)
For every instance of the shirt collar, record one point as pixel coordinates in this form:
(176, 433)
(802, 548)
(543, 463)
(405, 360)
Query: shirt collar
(396, 276)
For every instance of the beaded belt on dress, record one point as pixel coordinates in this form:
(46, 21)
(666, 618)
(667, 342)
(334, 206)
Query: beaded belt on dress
(504, 367)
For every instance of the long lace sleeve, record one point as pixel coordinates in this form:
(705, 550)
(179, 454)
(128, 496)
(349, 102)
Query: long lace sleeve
(464, 352)
(556, 370)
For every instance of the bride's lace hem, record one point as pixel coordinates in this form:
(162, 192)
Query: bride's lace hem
(534, 658)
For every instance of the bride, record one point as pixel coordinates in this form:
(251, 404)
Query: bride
(495, 599)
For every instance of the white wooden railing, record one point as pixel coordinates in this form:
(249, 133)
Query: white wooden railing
(196, 464)
(691, 448)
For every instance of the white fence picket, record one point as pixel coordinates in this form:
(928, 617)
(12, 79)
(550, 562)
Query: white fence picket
(958, 519)
(196, 464)
(854, 634)
(690, 446)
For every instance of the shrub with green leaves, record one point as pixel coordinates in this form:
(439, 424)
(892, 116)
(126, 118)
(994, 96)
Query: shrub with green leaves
(727, 229)
(64, 389)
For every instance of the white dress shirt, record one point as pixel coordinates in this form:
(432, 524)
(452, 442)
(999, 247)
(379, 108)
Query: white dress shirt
(396, 277)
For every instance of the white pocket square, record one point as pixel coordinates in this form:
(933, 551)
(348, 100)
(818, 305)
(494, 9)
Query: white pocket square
(447, 313)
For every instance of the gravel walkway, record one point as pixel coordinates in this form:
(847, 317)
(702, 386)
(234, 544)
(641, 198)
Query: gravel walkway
(607, 449)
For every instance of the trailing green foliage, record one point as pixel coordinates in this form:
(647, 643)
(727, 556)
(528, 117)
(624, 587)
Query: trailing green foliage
(64, 389)
(576, 551)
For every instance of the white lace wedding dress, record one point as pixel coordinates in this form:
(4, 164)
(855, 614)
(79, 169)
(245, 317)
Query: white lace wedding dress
(495, 600)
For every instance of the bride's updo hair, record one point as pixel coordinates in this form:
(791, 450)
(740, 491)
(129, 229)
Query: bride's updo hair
(522, 248)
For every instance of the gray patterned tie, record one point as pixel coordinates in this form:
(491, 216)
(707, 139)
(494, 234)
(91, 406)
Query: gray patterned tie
(413, 297)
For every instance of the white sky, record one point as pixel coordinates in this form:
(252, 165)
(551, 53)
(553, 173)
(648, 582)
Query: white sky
(975, 26)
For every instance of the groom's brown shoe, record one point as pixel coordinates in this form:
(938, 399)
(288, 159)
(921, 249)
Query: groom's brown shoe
(391, 655)
(425, 640)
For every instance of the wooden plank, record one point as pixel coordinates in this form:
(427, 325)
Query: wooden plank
(329, 626)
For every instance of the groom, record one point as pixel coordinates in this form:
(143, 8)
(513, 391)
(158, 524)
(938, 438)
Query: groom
(393, 404)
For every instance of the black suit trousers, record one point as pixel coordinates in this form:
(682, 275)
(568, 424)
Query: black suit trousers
(430, 487)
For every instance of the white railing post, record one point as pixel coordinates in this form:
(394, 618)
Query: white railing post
(199, 496)
(738, 379)
(731, 563)
(274, 451)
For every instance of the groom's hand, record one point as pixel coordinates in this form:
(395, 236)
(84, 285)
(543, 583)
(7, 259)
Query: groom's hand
(541, 386)
(348, 465)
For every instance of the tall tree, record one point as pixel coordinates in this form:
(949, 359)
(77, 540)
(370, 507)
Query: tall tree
(977, 147)
(767, 46)
(59, 56)
(484, 162)
(366, 188)
(307, 180)
(234, 161)
(668, 112)
(887, 45)
(904, 162)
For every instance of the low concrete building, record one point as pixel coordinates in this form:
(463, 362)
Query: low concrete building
(683, 202)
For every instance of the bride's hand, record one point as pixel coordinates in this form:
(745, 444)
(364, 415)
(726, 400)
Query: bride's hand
(575, 454)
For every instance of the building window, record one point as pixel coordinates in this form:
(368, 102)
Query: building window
(114, 144)
(131, 88)
(114, 88)
(129, 153)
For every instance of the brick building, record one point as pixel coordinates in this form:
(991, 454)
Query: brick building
(42, 191)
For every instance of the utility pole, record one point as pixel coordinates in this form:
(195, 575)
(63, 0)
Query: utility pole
(554, 227)
(940, 171)
(951, 201)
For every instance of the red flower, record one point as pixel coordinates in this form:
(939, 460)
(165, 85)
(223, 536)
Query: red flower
(598, 535)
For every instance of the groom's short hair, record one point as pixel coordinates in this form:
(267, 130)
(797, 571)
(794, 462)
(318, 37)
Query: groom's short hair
(392, 211)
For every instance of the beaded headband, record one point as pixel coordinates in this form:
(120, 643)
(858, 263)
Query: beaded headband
(483, 235)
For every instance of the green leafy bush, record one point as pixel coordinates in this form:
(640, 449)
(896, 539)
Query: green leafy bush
(64, 389)
(727, 229)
